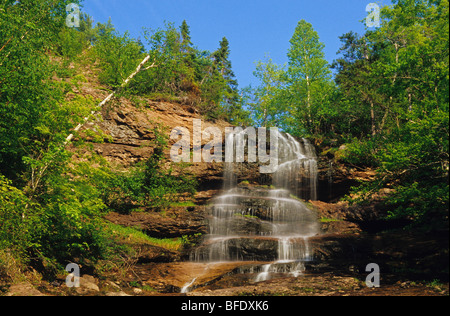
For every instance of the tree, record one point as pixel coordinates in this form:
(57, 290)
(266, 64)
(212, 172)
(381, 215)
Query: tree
(413, 61)
(307, 70)
(49, 210)
(29, 30)
(406, 75)
(118, 54)
(222, 63)
(358, 88)
(186, 42)
(269, 107)
(166, 52)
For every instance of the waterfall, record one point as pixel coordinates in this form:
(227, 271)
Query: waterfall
(229, 177)
(265, 224)
(185, 288)
(297, 170)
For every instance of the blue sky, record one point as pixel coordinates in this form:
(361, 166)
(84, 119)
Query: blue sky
(253, 27)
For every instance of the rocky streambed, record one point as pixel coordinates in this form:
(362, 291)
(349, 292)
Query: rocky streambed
(409, 261)
(339, 255)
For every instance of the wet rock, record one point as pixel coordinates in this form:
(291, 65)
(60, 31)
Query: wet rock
(240, 249)
(336, 252)
(250, 226)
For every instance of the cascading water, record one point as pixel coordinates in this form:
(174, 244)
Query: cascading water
(297, 170)
(262, 224)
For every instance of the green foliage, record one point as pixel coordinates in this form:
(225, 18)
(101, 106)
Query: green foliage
(72, 226)
(190, 241)
(360, 153)
(308, 78)
(396, 70)
(61, 224)
(44, 212)
(145, 185)
(388, 104)
(297, 99)
(35, 114)
(118, 54)
(414, 162)
(400, 75)
(198, 78)
(268, 107)
(160, 187)
(18, 218)
(71, 43)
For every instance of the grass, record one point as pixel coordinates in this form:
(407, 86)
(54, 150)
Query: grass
(328, 220)
(132, 236)
(142, 287)
(162, 97)
(183, 204)
(11, 270)
(436, 284)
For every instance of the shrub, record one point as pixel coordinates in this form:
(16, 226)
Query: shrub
(118, 54)
(18, 218)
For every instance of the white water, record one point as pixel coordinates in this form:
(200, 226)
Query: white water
(251, 224)
(185, 288)
(286, 263)
(264, 275)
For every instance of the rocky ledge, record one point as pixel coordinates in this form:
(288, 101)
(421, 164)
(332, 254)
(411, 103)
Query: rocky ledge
(174, 223)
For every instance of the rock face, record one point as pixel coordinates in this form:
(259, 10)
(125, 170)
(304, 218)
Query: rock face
(397, 253)
(243, 225)
(337, 179)
(241, 249)
(175, 223)
(354, 236)
(149, 253)
(128, 134)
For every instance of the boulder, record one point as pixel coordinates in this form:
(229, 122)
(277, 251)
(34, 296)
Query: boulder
(88, 284)
(23, 289)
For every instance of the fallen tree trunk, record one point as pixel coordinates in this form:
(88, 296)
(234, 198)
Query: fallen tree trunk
(109, 97)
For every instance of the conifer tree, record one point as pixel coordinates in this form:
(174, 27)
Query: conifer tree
(222, 64)
(186, 42)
